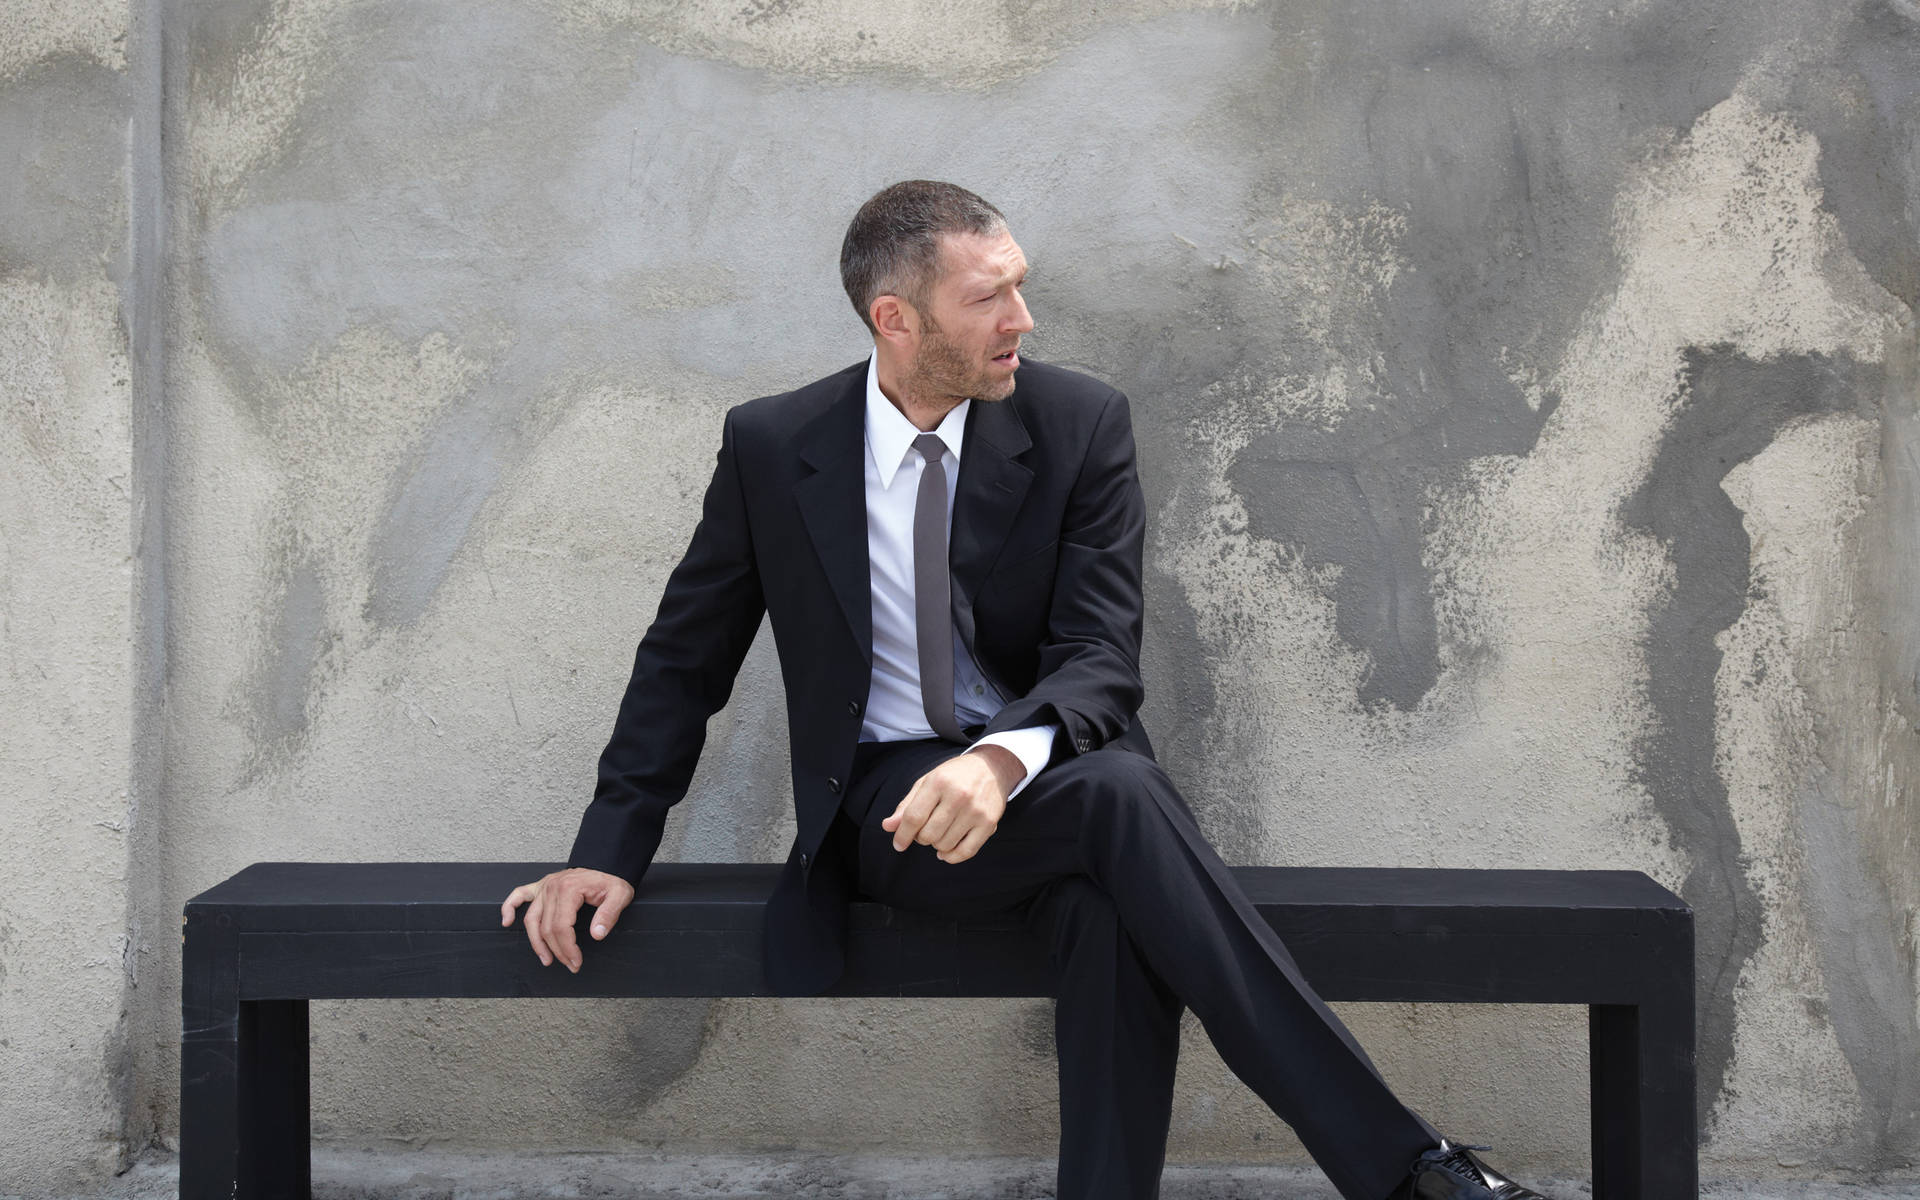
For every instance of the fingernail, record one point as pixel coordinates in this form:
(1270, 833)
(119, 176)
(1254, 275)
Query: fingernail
(599, 931)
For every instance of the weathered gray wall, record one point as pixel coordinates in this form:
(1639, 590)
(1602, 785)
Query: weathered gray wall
(83, 977)
(1527, 399)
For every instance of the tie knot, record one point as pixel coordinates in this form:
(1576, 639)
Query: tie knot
(930, 446)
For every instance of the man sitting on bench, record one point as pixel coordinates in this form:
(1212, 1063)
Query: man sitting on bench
(948, 544)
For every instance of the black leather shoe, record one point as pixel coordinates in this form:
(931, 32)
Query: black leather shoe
(1450, 1172)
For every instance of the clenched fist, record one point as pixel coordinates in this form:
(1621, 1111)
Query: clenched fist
(956, 806)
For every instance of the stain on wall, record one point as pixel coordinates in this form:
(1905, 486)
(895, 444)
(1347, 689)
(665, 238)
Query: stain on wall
(1729, 409)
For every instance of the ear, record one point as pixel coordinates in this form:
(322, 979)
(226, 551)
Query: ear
(895, 321)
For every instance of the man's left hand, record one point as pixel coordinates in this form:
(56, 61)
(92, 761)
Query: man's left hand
(956, 806)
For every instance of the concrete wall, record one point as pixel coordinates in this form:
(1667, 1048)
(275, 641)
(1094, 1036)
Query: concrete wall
(1527, 399)
(82, 975)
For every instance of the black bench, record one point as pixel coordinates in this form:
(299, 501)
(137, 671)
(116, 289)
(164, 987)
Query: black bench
(262, 944)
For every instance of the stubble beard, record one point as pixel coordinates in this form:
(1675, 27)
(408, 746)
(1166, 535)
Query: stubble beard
(942, 373)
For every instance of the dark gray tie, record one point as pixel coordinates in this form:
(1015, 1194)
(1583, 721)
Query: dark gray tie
(932, 594)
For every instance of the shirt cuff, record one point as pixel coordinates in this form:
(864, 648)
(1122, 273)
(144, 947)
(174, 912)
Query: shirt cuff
(1033, 746)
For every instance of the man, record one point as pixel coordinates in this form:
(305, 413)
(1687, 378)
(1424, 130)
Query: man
(950, 560)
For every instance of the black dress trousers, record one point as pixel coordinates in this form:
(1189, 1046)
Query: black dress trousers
(1104, 858)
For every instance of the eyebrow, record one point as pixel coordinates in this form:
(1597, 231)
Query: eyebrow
(998, 281)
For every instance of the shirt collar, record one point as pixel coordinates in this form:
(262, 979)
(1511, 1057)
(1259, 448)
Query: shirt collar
(890, 435)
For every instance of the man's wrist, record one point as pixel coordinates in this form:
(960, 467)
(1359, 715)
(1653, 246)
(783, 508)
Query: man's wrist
(1032, 745)
(1006, 766)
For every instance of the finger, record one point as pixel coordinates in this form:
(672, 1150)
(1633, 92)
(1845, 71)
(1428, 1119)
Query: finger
(903, 812)
(913, 814)
(535, 913)
(607, 913)
(892, 823)
(969, 845)
(560, 930)
(550, 926)
(946, 813)
(514, 900)
(957, 829)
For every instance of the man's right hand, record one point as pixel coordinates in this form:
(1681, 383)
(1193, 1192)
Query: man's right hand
(556, 902)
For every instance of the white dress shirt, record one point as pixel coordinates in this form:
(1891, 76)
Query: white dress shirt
(895, 710)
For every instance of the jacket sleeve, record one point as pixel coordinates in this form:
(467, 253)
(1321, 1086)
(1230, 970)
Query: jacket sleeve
(683, 672)
(1089, 675)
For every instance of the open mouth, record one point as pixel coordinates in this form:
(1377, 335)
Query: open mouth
(1009, 359)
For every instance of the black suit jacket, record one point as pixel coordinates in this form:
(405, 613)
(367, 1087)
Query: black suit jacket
(1045, 564)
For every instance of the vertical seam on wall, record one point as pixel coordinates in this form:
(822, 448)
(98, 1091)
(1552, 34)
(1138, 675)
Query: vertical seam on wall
(147, 929)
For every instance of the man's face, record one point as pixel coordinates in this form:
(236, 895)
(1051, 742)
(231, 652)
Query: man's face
(971, 319)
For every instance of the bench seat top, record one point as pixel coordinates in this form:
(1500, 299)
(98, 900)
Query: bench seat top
(1384, 933)
(315, 896)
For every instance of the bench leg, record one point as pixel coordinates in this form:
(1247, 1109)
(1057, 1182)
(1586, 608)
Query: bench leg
(244, 1130)
(275, 1101)
(209, 1059)
(1645, 1139)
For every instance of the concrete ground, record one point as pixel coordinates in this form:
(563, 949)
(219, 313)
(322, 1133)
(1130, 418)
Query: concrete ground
(443, 1175)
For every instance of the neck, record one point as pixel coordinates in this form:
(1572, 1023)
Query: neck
(924, 408)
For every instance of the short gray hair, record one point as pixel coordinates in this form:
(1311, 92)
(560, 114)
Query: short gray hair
(893, 243)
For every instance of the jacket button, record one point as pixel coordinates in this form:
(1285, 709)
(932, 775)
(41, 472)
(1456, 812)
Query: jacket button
(853, 708)
(833, 785)
(803, 861)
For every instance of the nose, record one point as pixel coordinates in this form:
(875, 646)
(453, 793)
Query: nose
(1019, 320)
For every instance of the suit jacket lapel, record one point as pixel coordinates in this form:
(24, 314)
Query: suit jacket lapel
(991, 489)
(833, 504)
